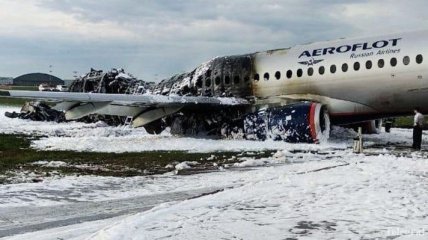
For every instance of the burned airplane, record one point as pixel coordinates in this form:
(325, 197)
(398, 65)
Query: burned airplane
(291, 94)
(95, 81)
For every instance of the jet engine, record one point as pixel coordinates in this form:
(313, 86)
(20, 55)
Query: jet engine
(305, 122)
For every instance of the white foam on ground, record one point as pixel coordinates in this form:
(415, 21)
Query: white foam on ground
(97, 137)
(371, 197)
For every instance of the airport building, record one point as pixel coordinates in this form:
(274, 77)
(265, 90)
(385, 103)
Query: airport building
(35, 79)
(6, 81)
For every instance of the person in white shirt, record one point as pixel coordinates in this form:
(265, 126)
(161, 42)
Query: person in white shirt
(418, 124)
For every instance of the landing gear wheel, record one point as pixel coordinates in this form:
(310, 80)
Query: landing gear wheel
(155, 127)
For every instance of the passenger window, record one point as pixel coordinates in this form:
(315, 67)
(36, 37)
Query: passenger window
(256, 77)
(344, 67)
(217, 81)
(236, 80)
(299, 72)
(333, 68)
(227, 80)
(266, 76)
(406, 60)
(289, 74)
(208, 73)
(278, 75)
(356, 66)
(369, 64)
(381, 63)
(199, 82)
(393, 62)
(321, 70)
(208, 82)
(419, 59)
(310, 71)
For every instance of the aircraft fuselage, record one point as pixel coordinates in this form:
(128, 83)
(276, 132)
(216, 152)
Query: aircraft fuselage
(357, 79)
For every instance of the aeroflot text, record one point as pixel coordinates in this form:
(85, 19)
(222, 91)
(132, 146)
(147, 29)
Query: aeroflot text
(351, 48)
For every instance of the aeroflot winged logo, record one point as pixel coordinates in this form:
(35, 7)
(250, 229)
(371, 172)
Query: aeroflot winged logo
(311, 62)
(369, 49)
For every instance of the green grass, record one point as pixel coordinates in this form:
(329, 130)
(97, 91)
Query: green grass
(15, 101)
(407, 122)
(404, 122)
(24, 88)
(12, 101)
(15, 153)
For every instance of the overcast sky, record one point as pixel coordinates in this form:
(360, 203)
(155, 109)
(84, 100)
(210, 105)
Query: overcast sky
(154, 39)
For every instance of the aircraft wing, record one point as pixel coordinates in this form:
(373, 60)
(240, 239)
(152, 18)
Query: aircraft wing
(147, 106)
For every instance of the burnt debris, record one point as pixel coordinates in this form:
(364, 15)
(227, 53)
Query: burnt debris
(37, 111)
(96, 81)
(115, 81)
(220, 77)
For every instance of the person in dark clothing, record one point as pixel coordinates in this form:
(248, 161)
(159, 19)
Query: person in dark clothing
(388, 124)
(417, 129)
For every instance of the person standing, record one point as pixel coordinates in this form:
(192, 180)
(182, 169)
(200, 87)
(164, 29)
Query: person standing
(388, 124)
(418, 124)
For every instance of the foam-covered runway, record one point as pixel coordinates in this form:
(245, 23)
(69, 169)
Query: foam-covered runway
(301, 192)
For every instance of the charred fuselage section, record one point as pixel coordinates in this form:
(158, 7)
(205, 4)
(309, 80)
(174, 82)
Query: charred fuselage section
(114, 81)
(220, 77)
(234, 77)
(95, 81)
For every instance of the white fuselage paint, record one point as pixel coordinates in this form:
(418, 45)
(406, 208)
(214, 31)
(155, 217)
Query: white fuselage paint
(388, 90)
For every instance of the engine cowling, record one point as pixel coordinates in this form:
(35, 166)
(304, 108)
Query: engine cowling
(305, 122)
